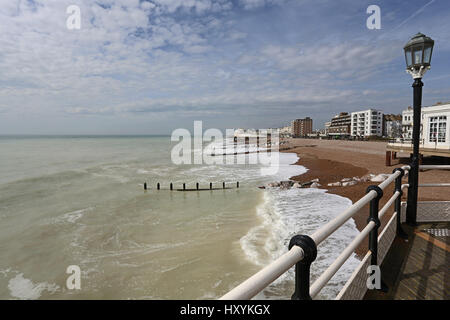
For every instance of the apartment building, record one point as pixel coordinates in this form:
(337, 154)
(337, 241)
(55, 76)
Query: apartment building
(367, 123)
(302, 127)
(340, 125)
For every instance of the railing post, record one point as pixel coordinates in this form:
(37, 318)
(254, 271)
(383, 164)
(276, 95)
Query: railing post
(302, 268)
(398, 203)
(373, 235)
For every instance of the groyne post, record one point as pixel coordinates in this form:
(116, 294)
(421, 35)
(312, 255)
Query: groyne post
(223, 184)
(171, 186)
(184, 186)
(210, 186)
(145, 185)
(158, 186)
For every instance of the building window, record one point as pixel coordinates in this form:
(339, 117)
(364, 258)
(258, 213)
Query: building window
(438, 128)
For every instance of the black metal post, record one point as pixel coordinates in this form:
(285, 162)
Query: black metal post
(158, 186)
(303, 267)
(145, 185)
(373, 235)
(398, 203)
(197, 185)
(237, 184)
(184, 186)
(171, 186)
(413, 178)
(210, 186)
(223, 184)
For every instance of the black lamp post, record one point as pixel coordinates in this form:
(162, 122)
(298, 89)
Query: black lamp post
(418, 53)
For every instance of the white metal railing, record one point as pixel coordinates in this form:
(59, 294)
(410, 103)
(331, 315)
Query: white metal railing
(431, 167)
(440, 167)
(252, 286)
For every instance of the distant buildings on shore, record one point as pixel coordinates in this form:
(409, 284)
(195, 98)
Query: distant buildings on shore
(340, 125)
(301, 127)
(373, 123)
(367, 123)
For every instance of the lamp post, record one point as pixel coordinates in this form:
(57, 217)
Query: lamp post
(418, 53)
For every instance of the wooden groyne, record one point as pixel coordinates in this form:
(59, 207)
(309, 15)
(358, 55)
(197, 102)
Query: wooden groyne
(197, 187)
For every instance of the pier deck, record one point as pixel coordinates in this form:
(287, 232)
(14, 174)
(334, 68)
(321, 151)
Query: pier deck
(417, 269)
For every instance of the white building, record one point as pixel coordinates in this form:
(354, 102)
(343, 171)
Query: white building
(366, 123)
(407, 123)
(434, 123)
(436, 126)
(434, 131)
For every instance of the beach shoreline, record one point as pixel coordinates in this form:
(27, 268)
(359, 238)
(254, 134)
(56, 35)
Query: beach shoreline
(333, 160)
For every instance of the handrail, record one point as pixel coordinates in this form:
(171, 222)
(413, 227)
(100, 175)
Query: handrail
(342, 258)
(325, 231)
(253, 285)
(427, 166)
(434, 185)
(388, 204)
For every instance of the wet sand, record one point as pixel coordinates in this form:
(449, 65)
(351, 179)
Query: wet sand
(332, 161)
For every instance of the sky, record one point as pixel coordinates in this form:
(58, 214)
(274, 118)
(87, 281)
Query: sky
(150, 67)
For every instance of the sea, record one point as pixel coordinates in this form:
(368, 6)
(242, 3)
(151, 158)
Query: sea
(80, 201)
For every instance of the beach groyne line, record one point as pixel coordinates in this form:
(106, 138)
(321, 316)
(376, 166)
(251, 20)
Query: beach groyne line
(211, 187)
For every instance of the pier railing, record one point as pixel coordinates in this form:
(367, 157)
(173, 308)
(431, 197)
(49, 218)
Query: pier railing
(303, 249)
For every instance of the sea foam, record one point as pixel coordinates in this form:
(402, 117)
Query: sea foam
(285, 213)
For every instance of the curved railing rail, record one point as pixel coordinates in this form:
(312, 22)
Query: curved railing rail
(303, 249)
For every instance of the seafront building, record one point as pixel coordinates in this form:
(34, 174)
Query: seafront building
(434, 135)
(327, 127)
(340, 125)
(285, 132)
(301, 127)
(407, 123)
(367, 123)
(435, 126)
